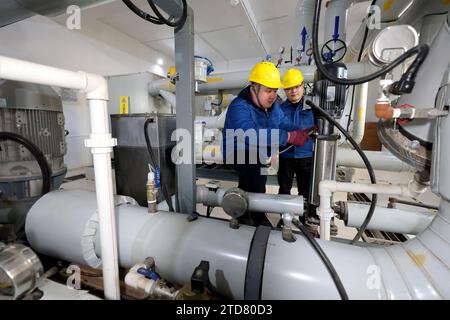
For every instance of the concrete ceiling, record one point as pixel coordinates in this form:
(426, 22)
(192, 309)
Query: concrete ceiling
(225, 30)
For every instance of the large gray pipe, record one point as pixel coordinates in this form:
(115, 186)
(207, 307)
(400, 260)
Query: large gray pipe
(417, 269)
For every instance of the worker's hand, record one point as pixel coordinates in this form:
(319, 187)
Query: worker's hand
(299, 137)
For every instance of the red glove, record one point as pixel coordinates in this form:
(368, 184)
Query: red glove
(299, 137)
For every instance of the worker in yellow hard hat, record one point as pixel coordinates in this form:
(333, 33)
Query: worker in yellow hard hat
(296, 160)
(256, 115)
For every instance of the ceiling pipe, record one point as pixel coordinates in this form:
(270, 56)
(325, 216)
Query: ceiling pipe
(238, 80)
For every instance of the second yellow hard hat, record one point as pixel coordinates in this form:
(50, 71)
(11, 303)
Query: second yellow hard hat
(292, 77)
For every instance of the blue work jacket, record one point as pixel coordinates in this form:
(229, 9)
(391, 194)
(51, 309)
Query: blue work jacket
(302, 118)
(244, 114)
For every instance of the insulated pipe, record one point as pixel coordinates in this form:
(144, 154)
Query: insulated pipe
(216, 122)
(336, 20)
(388, 219)
(359, 111)
(169, 96)
(379, 160)
(304, 14)
(428, 80)
(100, 142)
(238, 80)
(176, 244)
(416, 269)
(258, 202)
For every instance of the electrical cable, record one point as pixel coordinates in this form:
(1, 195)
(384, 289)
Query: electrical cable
(365, 160)
(421, 51)
(178, 24)
(159, 19)
(37, 154)
(155, 164)
(144, 15)
(334, 275)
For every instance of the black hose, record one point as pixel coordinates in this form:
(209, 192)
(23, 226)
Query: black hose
(178, 24)
(366, 161)
(326, 261)
(421, 51)
(159, 19)
(144, 15)
(37, 154)
(154, 164)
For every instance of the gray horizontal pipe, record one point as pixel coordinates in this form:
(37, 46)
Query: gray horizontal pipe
(238, 80)
(389, 219)
(416, 269)
(378, 159)
(257, 202)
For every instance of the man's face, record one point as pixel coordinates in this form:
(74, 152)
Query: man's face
(295, 94)
(263, 96)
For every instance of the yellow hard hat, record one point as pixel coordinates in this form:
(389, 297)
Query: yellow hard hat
(171, 72)
(292, 78)
(265, 73)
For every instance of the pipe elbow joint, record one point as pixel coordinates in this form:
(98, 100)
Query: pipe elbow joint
(327, 187)
(96, 87)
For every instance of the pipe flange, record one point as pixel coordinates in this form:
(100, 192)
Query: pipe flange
(235, 202)
(88, 242)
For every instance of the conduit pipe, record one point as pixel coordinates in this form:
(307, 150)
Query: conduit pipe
(328, 187)
(257, 202)
(100, 142)
(388, 219)
(416, 269)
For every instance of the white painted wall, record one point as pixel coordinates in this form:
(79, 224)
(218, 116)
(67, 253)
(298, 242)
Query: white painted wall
(42, 40)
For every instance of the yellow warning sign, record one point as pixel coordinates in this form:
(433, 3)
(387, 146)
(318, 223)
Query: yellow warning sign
(124, 104)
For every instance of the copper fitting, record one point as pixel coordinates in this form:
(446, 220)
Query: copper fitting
(384, 110)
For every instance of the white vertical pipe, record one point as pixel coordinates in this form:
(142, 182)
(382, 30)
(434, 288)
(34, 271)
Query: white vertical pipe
(99, 142)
